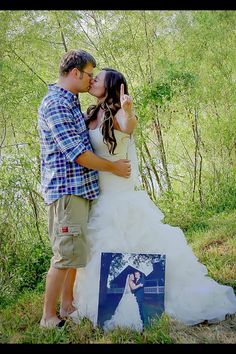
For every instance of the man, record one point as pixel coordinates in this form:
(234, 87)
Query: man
(139, 292)
(69, 179)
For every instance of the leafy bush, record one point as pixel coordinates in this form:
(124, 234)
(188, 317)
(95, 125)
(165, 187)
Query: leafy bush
(25, 269)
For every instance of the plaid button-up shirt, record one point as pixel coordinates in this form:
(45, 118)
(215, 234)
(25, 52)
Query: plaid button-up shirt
(63, 137)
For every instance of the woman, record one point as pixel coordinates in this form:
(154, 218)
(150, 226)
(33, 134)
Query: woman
(127, 311)
(125, 220)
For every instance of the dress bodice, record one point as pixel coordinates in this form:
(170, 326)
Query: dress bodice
(109, 182)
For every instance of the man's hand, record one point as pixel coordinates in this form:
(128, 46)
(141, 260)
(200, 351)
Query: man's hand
(122, 168)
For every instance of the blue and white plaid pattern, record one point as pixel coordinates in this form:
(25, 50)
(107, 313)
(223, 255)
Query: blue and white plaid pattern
(63, 137)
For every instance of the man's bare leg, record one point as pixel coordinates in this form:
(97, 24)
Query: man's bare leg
(54, 282)
(67, 293)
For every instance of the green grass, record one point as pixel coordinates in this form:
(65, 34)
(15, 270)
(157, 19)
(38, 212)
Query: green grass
(215, 247)
(20, 324)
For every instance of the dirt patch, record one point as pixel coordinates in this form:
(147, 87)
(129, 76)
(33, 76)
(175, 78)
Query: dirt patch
(222, 332)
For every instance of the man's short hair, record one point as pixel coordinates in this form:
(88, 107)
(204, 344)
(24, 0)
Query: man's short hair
(75, 59)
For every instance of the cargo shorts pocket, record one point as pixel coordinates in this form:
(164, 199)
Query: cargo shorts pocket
(67, 240)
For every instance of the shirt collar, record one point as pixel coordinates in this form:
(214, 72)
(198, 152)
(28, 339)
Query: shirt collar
(71, 97)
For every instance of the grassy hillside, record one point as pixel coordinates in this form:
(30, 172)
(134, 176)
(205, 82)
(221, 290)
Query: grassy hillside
(215, 247)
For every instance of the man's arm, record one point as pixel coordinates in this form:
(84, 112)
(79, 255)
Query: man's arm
(133, 286)
(120, 168)
(65, 134)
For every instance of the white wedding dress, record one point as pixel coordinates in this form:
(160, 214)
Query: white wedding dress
(125, 220)
(127, 312)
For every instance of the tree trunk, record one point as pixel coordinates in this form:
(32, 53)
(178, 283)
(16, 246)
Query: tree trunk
(197, 171)
(157, 126)
(153, 166)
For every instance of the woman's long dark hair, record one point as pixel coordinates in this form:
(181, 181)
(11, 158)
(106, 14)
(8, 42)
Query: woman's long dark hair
(111, 104)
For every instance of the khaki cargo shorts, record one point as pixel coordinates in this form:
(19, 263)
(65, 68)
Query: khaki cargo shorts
(67, 223)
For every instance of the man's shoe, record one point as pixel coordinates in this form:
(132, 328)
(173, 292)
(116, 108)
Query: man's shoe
(74, 315)
(61, 324)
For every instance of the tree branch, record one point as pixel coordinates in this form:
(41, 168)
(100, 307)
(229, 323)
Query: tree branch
(28, 66)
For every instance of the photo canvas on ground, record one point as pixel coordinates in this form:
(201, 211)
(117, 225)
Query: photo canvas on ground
(132, 289)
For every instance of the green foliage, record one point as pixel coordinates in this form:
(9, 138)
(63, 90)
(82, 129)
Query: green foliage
(25, 268)
(182, 212)
(162, 91)
(223, 198)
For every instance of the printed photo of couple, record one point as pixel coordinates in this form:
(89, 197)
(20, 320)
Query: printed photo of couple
(132, 289)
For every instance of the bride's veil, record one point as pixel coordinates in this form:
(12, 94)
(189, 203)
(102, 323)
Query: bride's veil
(127, 289)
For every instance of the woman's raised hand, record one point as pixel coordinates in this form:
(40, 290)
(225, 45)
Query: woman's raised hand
(126, 101)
